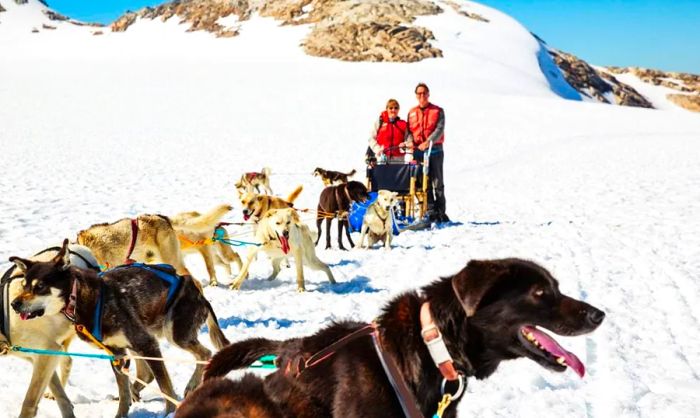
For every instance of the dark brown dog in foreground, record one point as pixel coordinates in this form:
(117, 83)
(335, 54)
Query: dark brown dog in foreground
(330, 177)
(489, 312)
(334, 202)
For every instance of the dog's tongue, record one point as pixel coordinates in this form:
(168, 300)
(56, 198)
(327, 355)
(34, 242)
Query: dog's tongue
(557, 351)
(23, 316)
(284, 242)
(246, 216)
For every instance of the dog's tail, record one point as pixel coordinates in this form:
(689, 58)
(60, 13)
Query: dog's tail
(215, 334)
(239, 355)
(266, 171)
(202, 223)
(352, 173)
(294, 194)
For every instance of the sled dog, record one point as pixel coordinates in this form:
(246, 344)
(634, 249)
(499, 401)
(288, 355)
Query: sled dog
(281, 233)
(334, 202)
(491, 311)
(377, 224)
(125, 308)
(330, 177)
(253, 181)
(195, 231)
(40, 330)
(255, 206)
(147, 238)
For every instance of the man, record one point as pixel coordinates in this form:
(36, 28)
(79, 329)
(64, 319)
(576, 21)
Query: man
(427, 123)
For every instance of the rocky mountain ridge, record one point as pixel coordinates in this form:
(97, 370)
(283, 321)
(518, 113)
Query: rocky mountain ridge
(386, 31)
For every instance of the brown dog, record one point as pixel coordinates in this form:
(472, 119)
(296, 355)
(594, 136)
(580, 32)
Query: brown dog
(253, 181)
(195, 230)
(333, 177)
(334, 202)
(489, 312)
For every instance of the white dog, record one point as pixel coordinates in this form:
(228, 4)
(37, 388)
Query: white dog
(279, 232)
(377, 222)
(46, 332)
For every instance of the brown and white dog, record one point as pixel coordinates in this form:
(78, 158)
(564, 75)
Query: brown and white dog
(195, 231)
(126, 308)
(377, 224)
(44, 331)
(330, 177)
(255, 206)
(253, 181)
(147, 238)
(489, 312)
(281, 233)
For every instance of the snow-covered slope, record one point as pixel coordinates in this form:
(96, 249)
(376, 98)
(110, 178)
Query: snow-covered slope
(156, 120)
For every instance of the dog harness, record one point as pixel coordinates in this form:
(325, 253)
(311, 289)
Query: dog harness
(165, 272)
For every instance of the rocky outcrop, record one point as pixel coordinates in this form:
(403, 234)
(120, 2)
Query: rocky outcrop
(369, 30)
(683, 82)
(2, 9)
(596, 84)
(352, 30)
(459, 8)
(687, 101)
(200, 14)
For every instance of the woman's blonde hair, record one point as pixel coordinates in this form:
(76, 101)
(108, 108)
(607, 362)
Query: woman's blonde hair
(392, 102)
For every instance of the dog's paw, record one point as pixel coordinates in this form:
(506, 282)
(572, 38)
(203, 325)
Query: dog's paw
(301, 289)
(49, 396)
(213, 283)
(234, 286)
(4, 347)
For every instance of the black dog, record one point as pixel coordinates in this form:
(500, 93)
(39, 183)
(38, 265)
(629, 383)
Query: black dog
(330, 177)
(125, 308)
(485, 314)
(334, 202)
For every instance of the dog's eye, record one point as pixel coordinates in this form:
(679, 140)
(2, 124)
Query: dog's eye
(38, 287)
(538, 292)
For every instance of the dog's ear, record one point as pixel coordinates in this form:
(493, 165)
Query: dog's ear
(62, 259)
(22, 264)
(475, 280)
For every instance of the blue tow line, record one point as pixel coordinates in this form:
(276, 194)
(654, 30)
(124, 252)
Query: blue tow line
(61, 353)
(219, 235)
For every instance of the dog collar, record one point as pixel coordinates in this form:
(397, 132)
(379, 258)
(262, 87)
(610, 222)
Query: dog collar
(69, 309)
(436, 346)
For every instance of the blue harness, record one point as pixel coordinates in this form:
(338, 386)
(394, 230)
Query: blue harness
(165, 272)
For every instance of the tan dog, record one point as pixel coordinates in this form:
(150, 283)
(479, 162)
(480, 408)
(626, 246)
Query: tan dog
(195, 230)
(252, 182)
(255, 206)
(377, 222)
(330, 177)
(281, 232)
(153, 237)
(45, 332)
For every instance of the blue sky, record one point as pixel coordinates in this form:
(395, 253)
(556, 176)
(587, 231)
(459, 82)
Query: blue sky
(660, 34)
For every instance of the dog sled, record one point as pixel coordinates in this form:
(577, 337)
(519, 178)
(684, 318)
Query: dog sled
(410, 181)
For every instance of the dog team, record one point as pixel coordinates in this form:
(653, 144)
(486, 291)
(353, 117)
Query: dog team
(124, 286)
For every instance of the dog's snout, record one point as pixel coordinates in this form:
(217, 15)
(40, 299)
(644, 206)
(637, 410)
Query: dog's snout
(595, 316)
(16, 304)
(286, 234)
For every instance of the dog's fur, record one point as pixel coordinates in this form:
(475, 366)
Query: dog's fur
(334, 202)
(481, 313)
(156, 242)
(377, 222)
(330, 178)
(281, 232)
(47, 332)
(194, 229)
(255, 206)
(135, 312)
(253, 181)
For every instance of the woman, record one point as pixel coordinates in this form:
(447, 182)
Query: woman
(391, 139)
